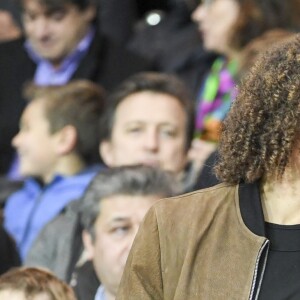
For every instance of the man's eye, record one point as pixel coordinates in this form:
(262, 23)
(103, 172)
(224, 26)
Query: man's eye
(58, 16)
(120, 231)
(168, 132)
(134, 130)
(29, 17)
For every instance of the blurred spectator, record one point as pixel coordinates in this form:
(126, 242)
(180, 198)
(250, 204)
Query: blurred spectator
(227, 26)
(9, 30)
(111, 212)
(57, 144)
(61, 42)
(148, 121)
(10, 20)
(33, 284)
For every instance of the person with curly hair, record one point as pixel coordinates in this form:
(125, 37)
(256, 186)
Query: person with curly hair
(239, 239)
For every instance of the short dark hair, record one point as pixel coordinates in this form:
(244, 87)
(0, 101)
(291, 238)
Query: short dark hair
(259, 16)
(34, 281)
(262, 127)
(79, 103)
(126, 180)
(53, 5)
(154, 82)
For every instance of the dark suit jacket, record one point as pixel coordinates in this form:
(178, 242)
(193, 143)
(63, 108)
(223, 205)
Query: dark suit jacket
(105, 63)
(9, 257)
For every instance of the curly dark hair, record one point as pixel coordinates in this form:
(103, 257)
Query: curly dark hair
(262, 127)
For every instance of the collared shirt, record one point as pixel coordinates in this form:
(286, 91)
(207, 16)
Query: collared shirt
(100, 295)
(28, 210)
(46, 74)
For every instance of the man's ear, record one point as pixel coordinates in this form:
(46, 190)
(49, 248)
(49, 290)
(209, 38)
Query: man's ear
(88, 244)
(66, 139)
(106, 153)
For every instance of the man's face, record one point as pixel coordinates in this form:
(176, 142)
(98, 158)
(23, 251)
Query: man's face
(35, 145)
(115, 230)
(215, 20)
(55, 34)
(149, 128)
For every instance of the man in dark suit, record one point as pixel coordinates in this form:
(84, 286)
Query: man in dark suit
(60, 44)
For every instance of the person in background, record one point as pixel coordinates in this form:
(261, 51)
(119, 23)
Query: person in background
(149, 121)
(57, 145)
(239, 239)
(111, 212)
(10, 20)
(9, 30)
(33, 284)
(60, 43)
(226, 27)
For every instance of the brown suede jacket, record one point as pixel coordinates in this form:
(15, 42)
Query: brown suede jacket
(208, 244)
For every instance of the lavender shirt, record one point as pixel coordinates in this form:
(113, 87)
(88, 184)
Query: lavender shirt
(46, 74)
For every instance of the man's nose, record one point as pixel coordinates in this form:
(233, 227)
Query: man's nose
(151, 140)
(16, 139)
(41, 27)
(198, 13)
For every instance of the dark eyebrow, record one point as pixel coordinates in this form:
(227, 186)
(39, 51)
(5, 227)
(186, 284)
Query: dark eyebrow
(119, 219)
(56, 9)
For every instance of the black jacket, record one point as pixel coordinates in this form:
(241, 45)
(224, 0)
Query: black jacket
(105, 63)
(8, 253)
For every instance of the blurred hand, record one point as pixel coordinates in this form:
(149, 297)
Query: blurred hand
(200, 151)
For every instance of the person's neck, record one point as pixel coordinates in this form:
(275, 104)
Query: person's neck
(281, 199)
(109, 296)
(67, 166)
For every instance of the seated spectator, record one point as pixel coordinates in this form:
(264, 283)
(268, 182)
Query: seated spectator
(9, 30)
(57, 145)
(227, 26)
(149, 121)
(111, 212)
(60, 43)
(10, 20)
(33, 284)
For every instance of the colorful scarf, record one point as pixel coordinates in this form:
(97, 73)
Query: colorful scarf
(216, 94)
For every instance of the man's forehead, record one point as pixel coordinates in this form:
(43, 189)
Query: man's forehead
(165, 106)
(119, 207)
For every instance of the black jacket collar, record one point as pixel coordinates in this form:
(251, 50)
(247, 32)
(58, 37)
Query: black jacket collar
(251, 208)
